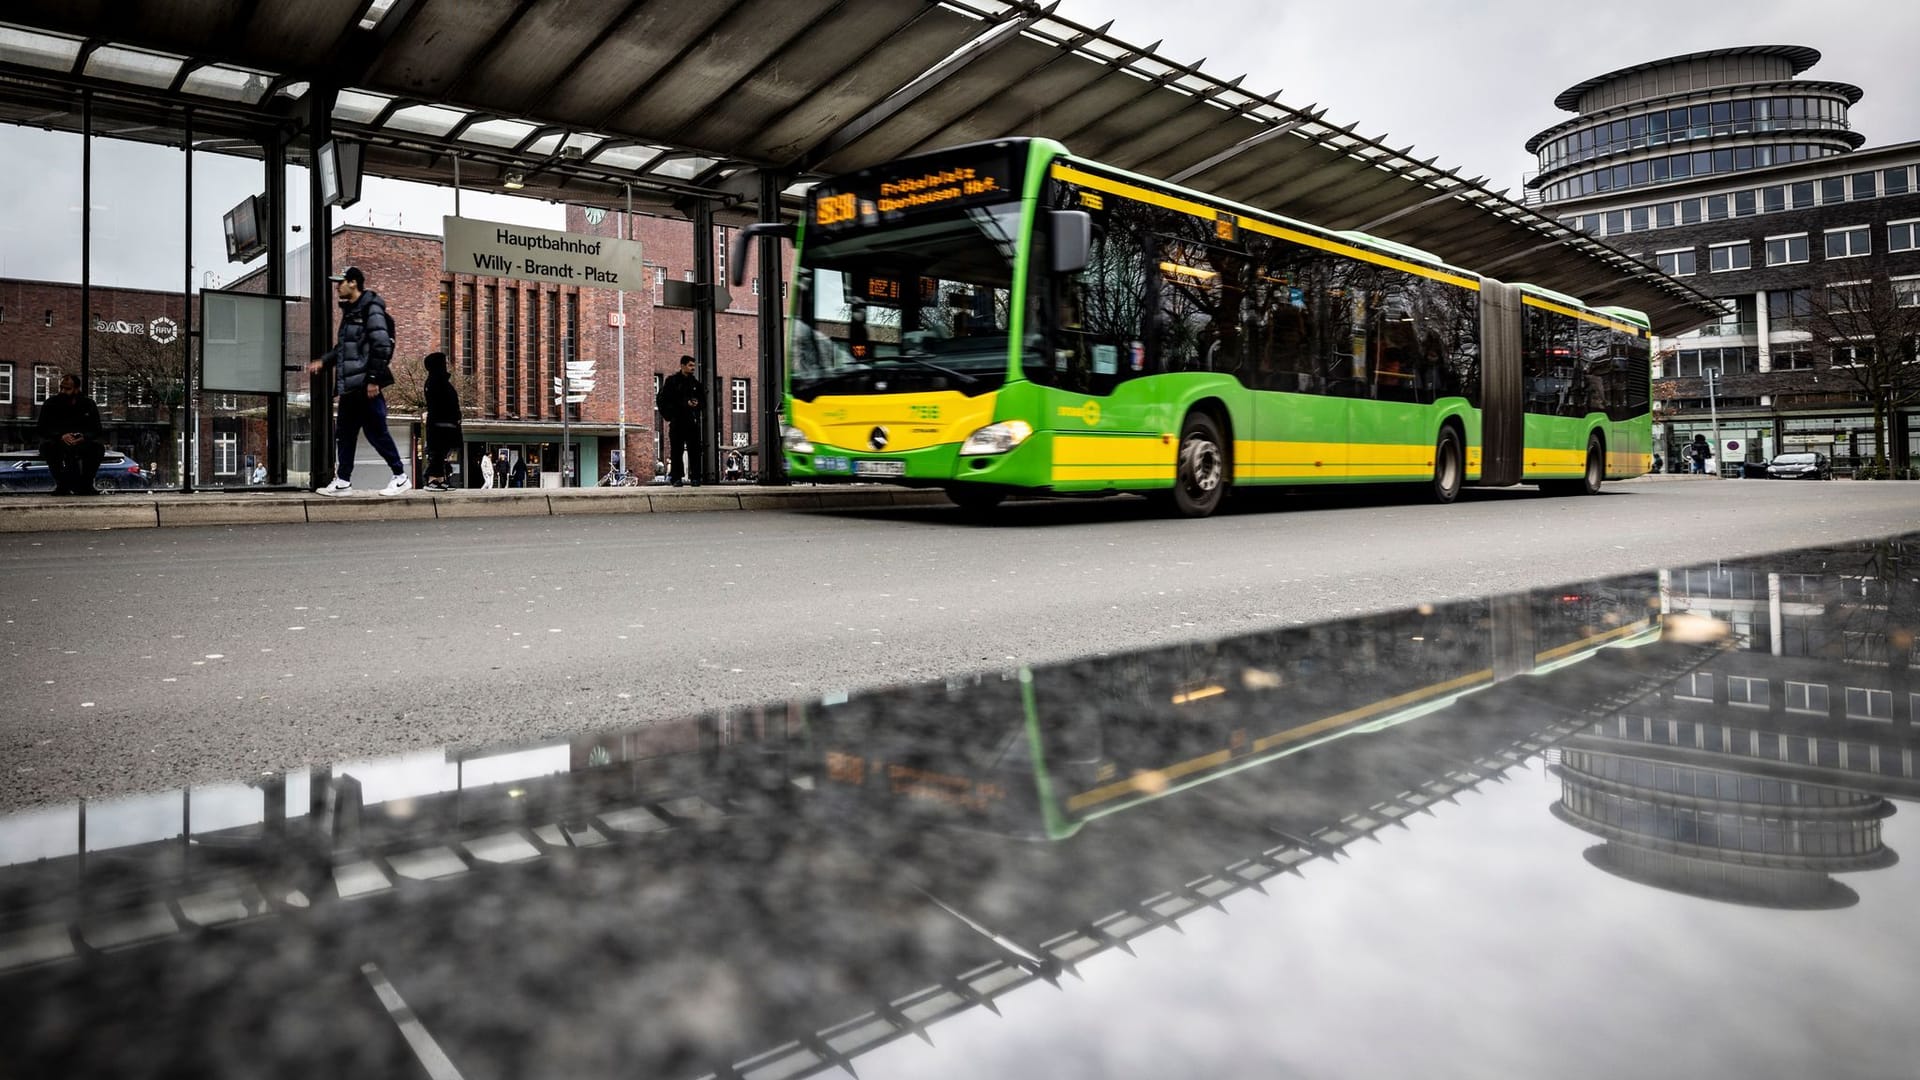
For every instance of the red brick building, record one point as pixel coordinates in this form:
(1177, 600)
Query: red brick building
(506, 340)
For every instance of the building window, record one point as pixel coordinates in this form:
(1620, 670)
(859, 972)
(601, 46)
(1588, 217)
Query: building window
(756, 285)
(1894, 181)
(1849, 243)
(43, 380)
(1773, 199)
(137, 391)
(446, 316)
(533, 352)
(659, 285)
(1903, 235)
(226, 453)
(554, 354)
(1724, 257)
(720, 253)
(489, 341)
(1863, 185)
(1785, 250)
(739, 395)
(467, 315)
(1832, 190)
(1742, 690)
(1792, 360)
(572, 350)
(6, 384)
(1665, 215)
(226, 402)
(1869, 704)
(1743, 204)
(1807, 697)
(1697, 686)
(1677, 263)
(512, 353)
(740, 438)
(97, 390)
(1802, 195)
(1716, 208)
(1637, 219)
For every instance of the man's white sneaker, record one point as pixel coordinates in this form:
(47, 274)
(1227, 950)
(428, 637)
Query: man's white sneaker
(337, 487)
(396, 486)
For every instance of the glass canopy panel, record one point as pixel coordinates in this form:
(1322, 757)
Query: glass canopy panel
(505, 134)
(628, 157)
(133, 66)
(227, 84)
(426, 119)
(31, 49)
(357, 107)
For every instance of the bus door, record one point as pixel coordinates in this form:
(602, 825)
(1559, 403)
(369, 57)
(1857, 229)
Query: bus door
(1501, 424)
(1299, 359)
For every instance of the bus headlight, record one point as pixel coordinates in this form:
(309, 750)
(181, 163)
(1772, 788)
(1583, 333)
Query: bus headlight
(792, 438)
(997, 438)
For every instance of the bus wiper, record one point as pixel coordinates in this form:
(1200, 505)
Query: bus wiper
(921, 359)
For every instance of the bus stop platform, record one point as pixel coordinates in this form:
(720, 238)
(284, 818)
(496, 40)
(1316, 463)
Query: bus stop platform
(143, 510)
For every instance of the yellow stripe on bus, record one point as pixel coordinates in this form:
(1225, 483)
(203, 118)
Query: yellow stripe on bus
(1200, 210)
(1597, 320)
(1592, 642)
(1111, 450)
(1111, 472)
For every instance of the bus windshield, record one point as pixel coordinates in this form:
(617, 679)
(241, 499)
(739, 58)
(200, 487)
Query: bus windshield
(912, 309)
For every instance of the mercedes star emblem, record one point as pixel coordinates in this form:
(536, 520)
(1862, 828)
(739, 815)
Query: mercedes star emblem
(878, 439)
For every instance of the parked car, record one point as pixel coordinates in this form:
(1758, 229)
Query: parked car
(24, 470)
(1805, 466)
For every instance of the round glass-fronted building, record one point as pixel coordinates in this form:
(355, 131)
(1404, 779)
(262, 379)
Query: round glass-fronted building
(1685, 117)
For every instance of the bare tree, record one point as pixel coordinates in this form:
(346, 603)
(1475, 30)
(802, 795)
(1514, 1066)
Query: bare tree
(1871, 326)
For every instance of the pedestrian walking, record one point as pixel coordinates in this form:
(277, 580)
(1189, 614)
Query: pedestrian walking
(1699, 452)
(362, 361)
(682, 402)
(443, 421)
(486, 470)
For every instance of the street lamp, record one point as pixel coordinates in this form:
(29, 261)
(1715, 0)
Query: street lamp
(1713, 406)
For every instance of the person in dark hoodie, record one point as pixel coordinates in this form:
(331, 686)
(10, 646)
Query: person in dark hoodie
(362, 361)
(443, 421)
(70, 439)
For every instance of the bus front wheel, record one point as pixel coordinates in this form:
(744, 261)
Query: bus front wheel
(1449, 466)
(1200, 480)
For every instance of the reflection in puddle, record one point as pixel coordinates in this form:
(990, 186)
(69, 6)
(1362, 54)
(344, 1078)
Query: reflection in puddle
(779, 891)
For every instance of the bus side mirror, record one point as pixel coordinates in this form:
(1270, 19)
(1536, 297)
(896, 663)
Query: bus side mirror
(1071, 239)
(772, 230)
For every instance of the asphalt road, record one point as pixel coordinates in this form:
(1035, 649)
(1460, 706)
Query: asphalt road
(145, 659)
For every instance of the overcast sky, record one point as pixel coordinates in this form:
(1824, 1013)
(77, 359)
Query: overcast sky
(1470, 81)
(1467, 81)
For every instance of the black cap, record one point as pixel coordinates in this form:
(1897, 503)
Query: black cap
(353, 274)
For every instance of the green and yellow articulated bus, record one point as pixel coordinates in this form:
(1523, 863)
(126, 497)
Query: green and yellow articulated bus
(1005, 318)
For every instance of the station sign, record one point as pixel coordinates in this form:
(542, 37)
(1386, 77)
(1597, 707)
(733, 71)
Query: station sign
(496, 249)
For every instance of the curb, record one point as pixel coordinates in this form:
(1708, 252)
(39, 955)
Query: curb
(27, 514)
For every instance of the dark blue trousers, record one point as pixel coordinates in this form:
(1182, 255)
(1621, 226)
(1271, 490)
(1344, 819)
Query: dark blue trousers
(358, 413)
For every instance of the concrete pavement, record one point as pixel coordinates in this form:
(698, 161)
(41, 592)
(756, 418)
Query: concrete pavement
(130, 510)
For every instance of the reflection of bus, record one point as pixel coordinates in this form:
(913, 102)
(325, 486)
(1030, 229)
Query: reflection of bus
(1041, 752)
(1003, 317)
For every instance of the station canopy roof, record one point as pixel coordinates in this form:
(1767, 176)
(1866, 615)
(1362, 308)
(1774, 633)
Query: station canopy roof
(695, 97)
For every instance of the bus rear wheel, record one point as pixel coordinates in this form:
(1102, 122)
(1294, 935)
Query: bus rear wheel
(1200, 475)
(1590, 479)
(1449, 466)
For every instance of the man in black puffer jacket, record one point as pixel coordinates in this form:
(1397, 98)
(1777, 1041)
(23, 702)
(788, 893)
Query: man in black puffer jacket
(362, 360)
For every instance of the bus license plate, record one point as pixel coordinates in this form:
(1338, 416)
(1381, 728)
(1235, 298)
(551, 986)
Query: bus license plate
(880, 468)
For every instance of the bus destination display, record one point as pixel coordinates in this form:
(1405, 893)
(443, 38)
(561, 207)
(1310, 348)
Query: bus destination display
(939, 184)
